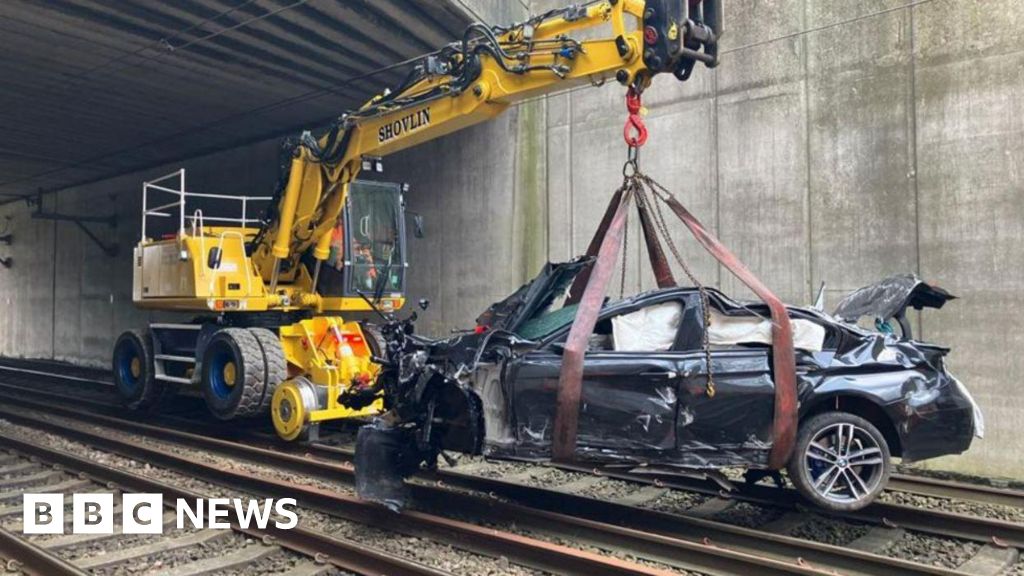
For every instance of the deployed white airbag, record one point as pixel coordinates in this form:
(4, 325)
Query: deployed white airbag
(650, 329)
(732, 330)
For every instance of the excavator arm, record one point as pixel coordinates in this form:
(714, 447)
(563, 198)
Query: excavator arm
(465, 83)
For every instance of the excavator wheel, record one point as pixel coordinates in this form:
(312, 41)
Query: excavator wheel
(234, 374)
(292, 404)
(134, 374)
(275, 369)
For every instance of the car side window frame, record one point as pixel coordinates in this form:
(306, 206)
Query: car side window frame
(688, 340)
(687, 300)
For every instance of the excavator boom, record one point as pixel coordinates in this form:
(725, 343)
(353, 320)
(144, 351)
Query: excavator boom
(468, 82)
(269, 347)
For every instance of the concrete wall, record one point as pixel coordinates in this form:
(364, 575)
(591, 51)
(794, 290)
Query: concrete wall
(64, 298)
(888, 144)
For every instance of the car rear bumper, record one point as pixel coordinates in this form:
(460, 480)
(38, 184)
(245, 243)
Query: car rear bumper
(942, 426)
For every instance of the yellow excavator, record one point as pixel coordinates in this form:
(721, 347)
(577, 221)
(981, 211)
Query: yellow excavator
(270, 287)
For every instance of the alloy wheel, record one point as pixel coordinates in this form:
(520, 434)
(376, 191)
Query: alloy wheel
(844, 463)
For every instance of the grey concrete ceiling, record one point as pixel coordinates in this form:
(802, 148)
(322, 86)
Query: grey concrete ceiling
(95, 88)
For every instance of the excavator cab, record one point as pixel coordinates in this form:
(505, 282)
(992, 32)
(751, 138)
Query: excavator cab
(368, 247)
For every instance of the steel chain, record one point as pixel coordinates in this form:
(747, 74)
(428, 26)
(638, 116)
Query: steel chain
(625, 249)
(705, 301)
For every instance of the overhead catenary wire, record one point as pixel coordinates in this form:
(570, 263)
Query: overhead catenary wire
(472, 12)
(317, 92)
(311, 94)
(162, 46)
(827, 26)
(306, 96)
(212, 35)
(164, 43)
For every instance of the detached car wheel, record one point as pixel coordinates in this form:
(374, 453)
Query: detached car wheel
(840, 461)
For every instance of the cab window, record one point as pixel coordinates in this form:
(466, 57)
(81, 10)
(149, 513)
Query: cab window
(375, 231)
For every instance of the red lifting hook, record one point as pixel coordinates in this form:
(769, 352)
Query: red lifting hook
(635, 131)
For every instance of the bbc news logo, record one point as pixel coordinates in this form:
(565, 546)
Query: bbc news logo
(94, 513)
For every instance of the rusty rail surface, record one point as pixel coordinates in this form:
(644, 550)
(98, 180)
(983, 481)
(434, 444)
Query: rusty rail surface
(519, 549)
(937, 488)
(920, 485)
(691, 543)
(347, 555)
(32, 559)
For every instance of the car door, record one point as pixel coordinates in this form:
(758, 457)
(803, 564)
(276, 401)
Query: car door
(734, 424)
(629, 397)
(628, 400)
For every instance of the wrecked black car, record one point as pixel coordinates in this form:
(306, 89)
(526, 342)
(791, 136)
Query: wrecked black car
(865, 395)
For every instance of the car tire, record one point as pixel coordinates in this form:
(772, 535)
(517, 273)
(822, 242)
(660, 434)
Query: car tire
(840, 479)
(233, 374)
(375, 340)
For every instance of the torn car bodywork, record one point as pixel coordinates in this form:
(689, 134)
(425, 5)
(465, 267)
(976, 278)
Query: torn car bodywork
(493, 391)
(890, 298)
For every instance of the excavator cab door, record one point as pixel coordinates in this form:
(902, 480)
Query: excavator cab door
(375, 240)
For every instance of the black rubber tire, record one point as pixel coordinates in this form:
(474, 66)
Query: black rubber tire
(245, 397)
(144, 392)
(374, 339)
(275, 367)
(800, 476)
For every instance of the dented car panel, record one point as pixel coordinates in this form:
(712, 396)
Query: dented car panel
(648, 407)
(931, 415)
(643, 407)
(654, 407)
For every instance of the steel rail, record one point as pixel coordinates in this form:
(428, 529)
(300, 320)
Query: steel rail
(938, 488)
(488, 541)
(347, 555)
(919, 485)
(32, 559)
(767, 496)
(33, 372)
(927, 521)
(646, 532)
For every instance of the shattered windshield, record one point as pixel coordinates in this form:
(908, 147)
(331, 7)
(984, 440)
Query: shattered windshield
(544, 324)
(534, 301)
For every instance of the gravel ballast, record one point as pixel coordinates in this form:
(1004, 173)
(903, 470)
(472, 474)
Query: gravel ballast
(829, 531)
(932, 550)
(435, 554)
(961, 507)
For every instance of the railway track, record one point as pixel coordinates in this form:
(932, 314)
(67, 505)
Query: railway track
(892, 518)
(703, 558)
(30, 467)
(658, 536)
(910, 484)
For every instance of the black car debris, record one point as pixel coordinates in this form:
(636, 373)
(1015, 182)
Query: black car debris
(865, 395)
